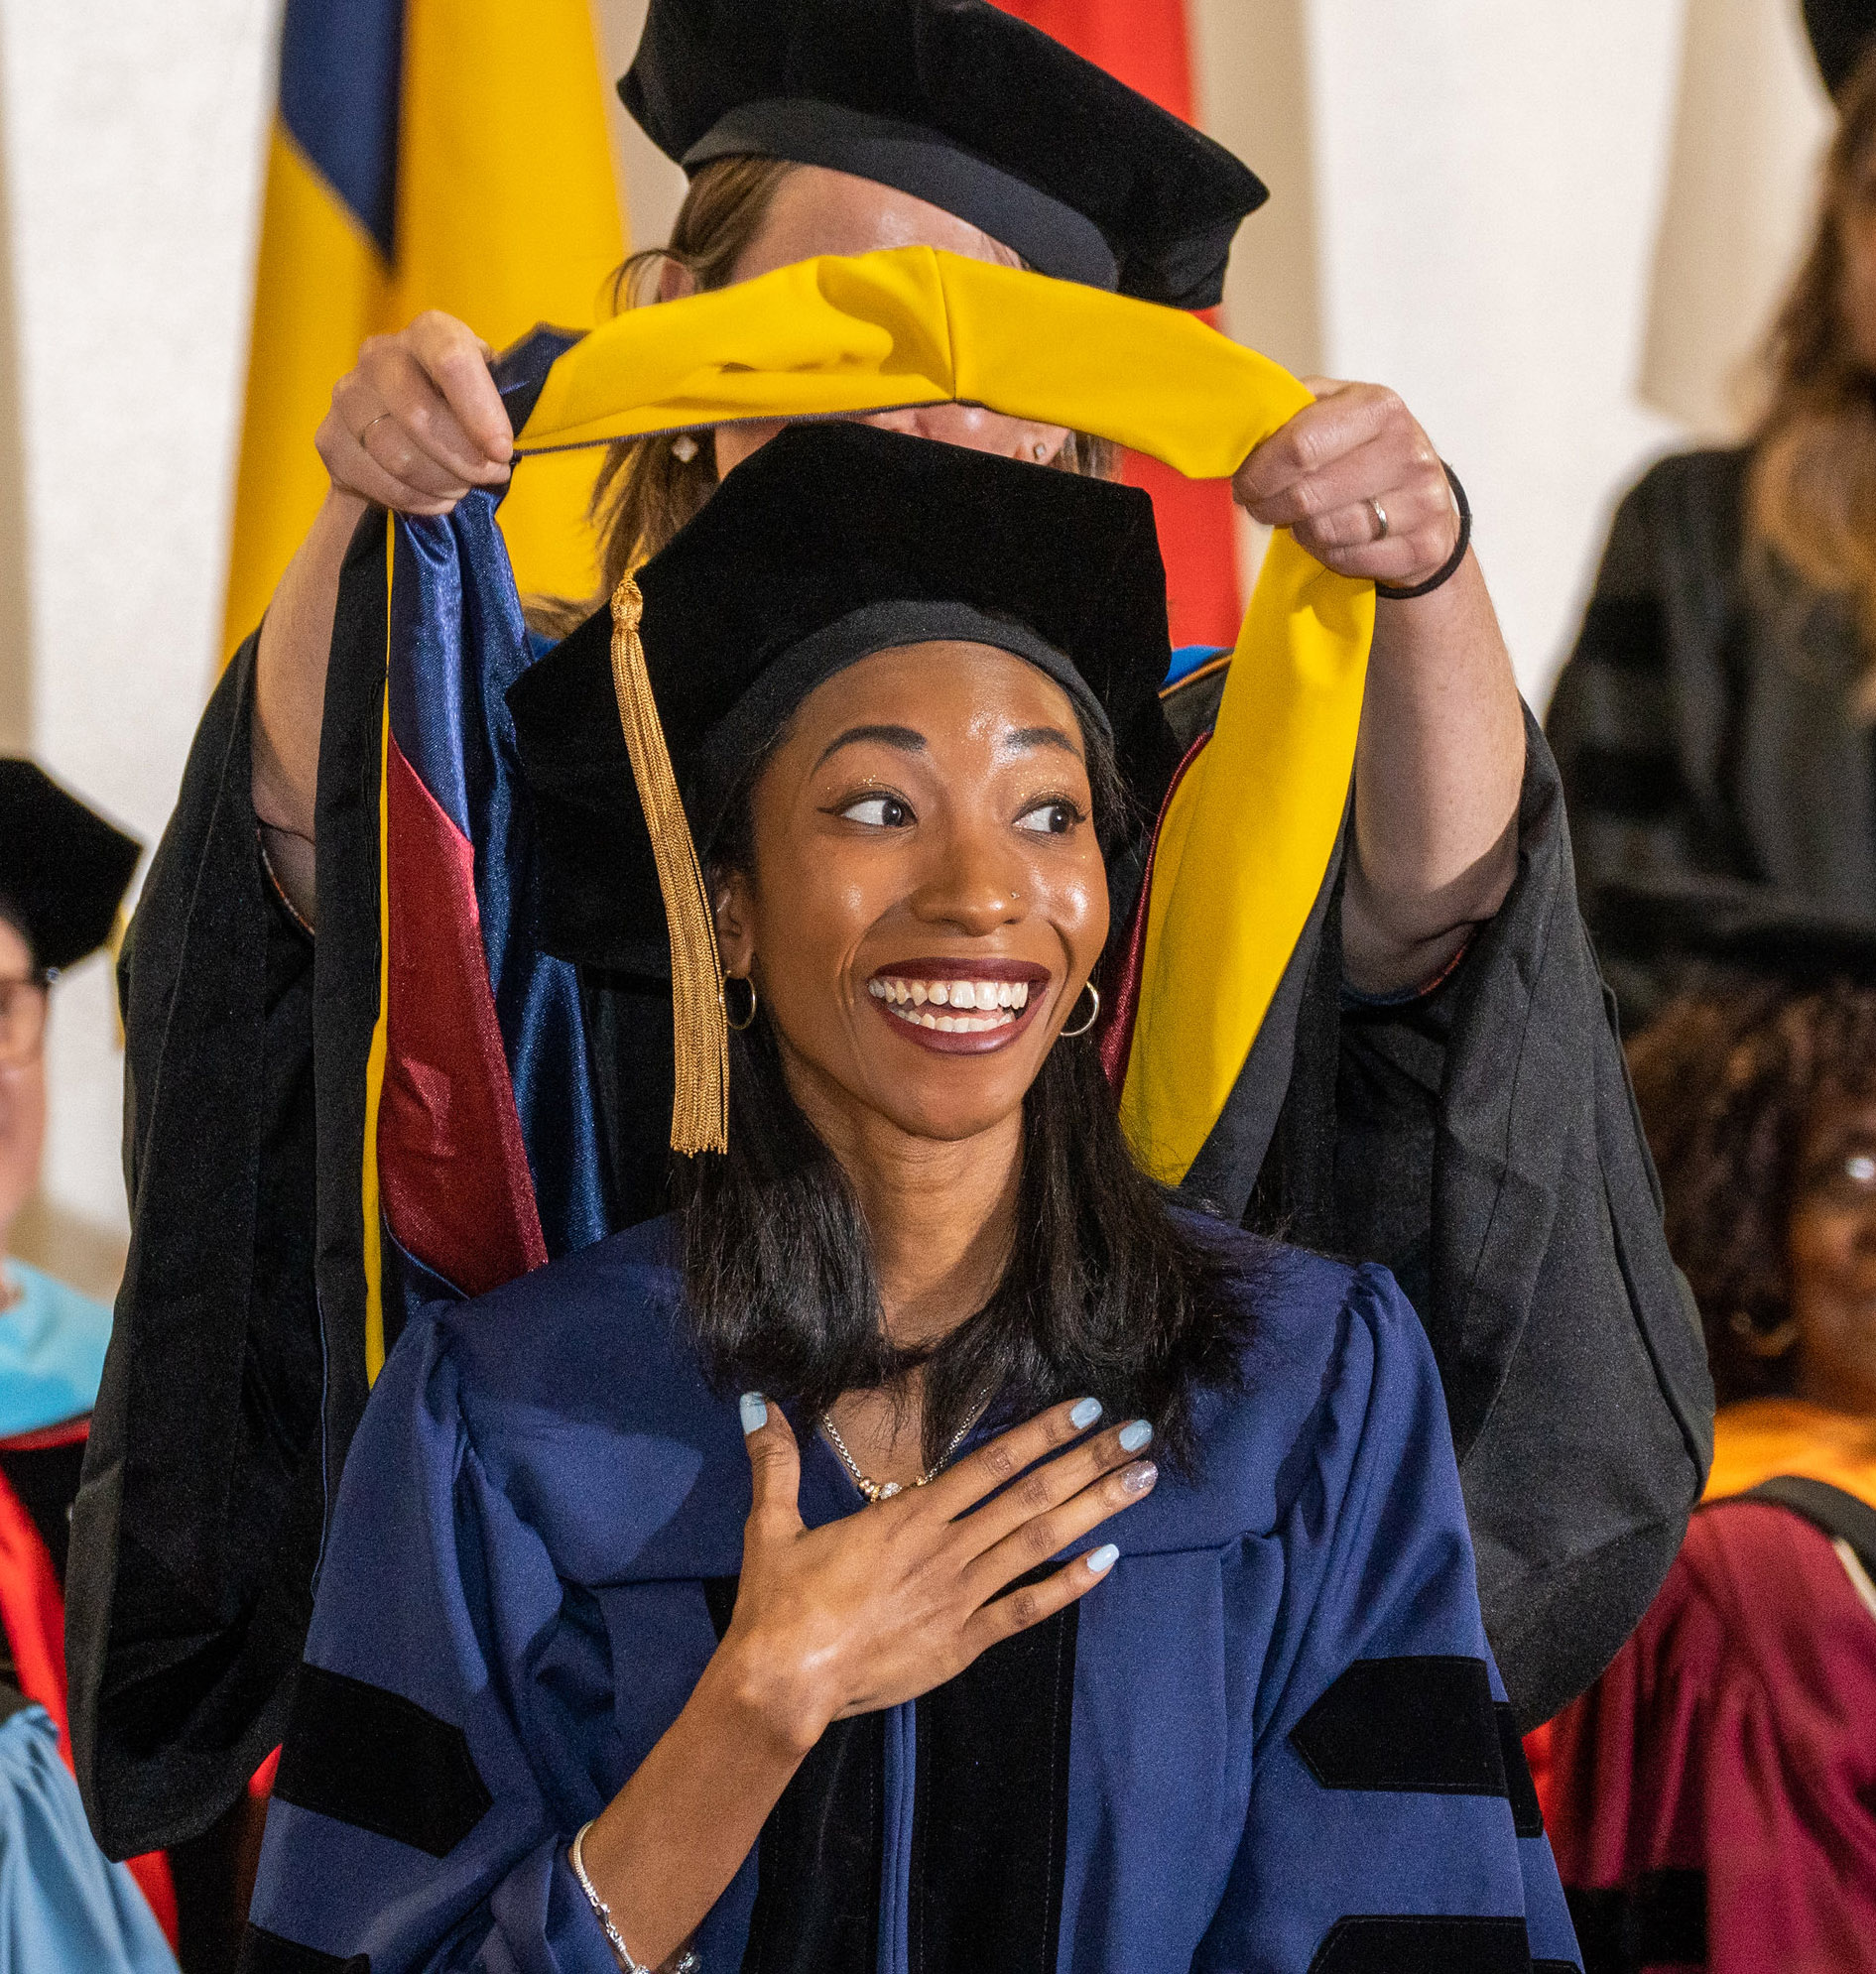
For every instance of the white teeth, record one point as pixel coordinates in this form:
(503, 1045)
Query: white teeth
(957, 1023)
(999, 1000)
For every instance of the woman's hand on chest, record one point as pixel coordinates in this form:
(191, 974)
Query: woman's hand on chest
(877, 1608)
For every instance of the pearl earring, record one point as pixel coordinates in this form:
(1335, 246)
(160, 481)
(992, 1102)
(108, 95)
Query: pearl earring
(1040, 450)
(684, 447)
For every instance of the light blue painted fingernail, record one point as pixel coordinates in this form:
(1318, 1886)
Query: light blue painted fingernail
(755, 1411)
(1101, 1561)
(1134, 1436)
(1084, 1415)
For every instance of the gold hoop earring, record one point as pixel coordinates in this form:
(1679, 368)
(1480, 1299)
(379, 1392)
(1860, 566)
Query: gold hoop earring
(739, 980)
(1764, 1344)
(1094, 1013)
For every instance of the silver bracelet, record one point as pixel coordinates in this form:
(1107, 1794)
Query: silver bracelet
(685, 1963)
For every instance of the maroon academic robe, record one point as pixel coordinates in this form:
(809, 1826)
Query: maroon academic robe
(1712, 1800)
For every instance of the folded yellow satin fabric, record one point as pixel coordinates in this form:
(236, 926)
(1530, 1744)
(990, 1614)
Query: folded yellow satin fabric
(1248, 835)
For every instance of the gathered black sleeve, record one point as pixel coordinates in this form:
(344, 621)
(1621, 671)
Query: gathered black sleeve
(1481, 1139)
(197, 1529)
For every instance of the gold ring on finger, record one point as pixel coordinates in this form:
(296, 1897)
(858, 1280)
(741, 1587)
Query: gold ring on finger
(381, 415)
(1380, 515)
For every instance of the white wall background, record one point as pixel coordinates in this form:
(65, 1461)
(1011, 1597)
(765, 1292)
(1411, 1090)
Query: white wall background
(1555, 226)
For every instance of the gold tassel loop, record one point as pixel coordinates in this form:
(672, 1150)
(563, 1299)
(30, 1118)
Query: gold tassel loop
(700, 1103)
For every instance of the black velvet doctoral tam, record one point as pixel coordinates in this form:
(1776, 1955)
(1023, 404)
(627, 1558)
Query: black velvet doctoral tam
(63, 870)
(833, 542)
(957, 103)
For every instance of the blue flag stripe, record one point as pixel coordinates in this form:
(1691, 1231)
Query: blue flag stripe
(341, 70)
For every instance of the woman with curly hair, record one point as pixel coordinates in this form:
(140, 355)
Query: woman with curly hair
(1713, 1797)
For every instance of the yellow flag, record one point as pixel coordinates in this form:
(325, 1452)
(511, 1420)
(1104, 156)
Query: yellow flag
(426, 154)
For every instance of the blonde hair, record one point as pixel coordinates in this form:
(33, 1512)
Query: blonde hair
(1810, 497)
(647, 489)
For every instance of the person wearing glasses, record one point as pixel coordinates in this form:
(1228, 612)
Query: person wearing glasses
(1713, 1794)
(63, 870)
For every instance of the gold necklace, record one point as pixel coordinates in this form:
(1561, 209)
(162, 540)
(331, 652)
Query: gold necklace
(878, 1491)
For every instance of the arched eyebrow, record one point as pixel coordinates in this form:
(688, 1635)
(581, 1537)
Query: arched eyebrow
(908, 740)
(1020, 739)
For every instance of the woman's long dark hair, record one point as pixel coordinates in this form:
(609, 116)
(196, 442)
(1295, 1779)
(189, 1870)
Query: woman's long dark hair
(1106, 1291)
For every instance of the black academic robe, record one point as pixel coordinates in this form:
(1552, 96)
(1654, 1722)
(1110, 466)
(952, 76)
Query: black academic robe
(1721, 787)
(1480, 1139)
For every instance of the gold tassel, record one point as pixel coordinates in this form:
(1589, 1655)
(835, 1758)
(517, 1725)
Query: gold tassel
(700, 1103)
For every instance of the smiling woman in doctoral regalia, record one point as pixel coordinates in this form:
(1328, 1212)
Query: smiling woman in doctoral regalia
(576, 1698)
(1425, 1074)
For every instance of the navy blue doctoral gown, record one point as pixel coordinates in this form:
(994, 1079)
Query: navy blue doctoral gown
(1272, 1740)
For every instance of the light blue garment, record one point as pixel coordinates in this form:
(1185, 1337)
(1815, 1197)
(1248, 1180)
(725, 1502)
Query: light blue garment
(52, 1352)
(63, 1909)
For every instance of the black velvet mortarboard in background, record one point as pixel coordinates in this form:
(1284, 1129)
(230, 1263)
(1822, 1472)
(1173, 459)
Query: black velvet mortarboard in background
(1700, 928)
(1839, 31)
(964, 106)
(835, 541)
(63, 870)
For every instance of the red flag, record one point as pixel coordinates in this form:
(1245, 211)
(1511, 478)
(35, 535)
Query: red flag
(1146, 45)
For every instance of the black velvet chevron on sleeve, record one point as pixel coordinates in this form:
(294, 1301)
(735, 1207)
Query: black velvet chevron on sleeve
(1422, 1944)
(1661, 1920)
(378, 1760)
(264, 1952)
(1406, 1724)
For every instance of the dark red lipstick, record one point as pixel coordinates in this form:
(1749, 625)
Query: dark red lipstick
(983, 1004)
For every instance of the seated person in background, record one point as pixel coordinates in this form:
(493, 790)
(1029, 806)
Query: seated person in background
(1713, 1799)
(848, 1698)
(63, 875)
